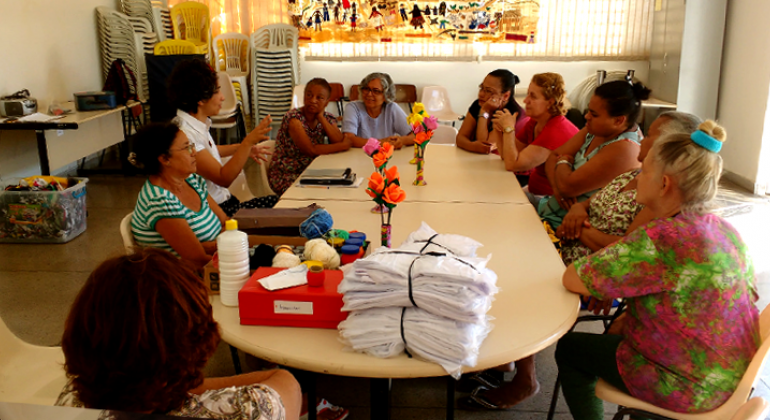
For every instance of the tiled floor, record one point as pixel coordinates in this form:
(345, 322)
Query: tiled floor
(39, 282)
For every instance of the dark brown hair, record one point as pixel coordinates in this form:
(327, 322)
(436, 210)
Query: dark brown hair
(190, 82)
(152, 141)
(139, 334)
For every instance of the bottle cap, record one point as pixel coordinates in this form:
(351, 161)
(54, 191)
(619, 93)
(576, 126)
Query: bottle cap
(231, 224)
(354, 241)
(350, 249)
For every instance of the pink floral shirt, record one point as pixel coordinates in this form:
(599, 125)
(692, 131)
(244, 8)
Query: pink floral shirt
(692, 327)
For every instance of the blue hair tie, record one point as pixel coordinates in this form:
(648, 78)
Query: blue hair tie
(705, 141)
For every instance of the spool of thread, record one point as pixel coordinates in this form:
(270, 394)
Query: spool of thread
(357, 235)
(316, 276)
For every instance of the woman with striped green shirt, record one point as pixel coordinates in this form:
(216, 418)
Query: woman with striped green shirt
(174, 210)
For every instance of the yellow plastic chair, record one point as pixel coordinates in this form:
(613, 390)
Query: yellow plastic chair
(636, 407)
(29, 374)
(191, 23)
(174, 47)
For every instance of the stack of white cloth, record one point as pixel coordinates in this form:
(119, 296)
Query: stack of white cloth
(431, 296)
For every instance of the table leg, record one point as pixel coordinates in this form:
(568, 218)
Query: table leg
(312, 396)
(450, 398)
(236, 360)
(42, 152)
(379, 398)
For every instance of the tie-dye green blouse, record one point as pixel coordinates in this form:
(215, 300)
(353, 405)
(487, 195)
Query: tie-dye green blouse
(692, 327)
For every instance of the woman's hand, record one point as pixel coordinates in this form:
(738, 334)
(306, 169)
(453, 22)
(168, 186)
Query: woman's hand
(572, 225)
(596, 306)
(394, 140)
(564, 202)
(492, 104)
(260, 153)
(503, 118)
(260, 132)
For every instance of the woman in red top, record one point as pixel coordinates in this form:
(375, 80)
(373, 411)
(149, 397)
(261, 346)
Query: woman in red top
(546, 130)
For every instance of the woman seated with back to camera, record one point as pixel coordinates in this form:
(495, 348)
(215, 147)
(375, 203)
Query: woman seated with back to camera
(301, 137)
(138, 337)
(477, 134)
(174, 210)
(546, 130)
(614, 212)
(607, 147)
(376, 115)
(692, 327)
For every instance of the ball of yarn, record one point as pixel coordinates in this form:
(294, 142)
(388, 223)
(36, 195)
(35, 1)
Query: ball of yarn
(262, 256)
(338, 233)
(319, 250)
(285, 260)
(315, 226)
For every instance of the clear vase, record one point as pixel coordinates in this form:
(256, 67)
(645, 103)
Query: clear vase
(385, 231)
(420, 180)
(416, 153)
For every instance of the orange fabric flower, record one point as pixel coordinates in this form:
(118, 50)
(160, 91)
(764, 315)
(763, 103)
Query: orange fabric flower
(376, 183)
(380, 159)
(387, 149)
(393, 194)
(392, 174)
(422, 137)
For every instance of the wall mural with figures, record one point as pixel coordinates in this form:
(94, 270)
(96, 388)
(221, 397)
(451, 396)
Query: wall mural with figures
(368, 21)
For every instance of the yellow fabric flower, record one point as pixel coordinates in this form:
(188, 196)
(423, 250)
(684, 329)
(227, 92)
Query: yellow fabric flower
(413, 119)
(418, 108)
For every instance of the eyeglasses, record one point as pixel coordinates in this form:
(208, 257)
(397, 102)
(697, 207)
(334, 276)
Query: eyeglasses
(487, 90)
(367, 89)
(190, 148)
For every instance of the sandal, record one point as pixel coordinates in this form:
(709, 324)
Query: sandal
(328, 411)
(478, 402)
(488, 379)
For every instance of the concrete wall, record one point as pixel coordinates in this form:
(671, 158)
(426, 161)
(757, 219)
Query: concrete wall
(743, 90)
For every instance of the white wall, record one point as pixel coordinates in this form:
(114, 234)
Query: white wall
(744, 86)
(50, 48)
(461, 78)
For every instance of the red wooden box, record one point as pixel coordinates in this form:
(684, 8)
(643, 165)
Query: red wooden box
(301, 306)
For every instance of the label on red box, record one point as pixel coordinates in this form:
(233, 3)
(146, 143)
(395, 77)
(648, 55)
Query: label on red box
(288, 307)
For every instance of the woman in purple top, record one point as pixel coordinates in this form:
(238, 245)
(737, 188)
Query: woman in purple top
(691, 328)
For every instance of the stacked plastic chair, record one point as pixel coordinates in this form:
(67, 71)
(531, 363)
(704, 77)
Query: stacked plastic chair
(174, 47)
(231, 55)
(120, 37)
(275, 70)
(155, 11)
(191, 22)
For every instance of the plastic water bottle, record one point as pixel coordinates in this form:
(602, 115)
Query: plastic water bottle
(233, 252)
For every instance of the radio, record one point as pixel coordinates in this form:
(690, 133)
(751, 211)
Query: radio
(18, 104)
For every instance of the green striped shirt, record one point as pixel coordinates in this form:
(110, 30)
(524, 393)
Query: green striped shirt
(155, 203)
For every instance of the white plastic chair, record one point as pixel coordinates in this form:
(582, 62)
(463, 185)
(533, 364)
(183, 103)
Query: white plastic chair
(29, 374)
(125, 232)
(298, 99)
(444, 135)
(232, 55)
(436, 102)
(240, 186)
(727, 410)
(256, 174)
(756, 408)
(229, 115)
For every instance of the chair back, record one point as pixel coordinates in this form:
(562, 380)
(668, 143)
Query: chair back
(435, 99)
(338, 94)
(298, 98)
(230, 104)
(406, 94)
(756, 408)
(231, 53)
(191, 23)
(174, 47)
(353, 93)
(256, 174)
(125, 232)
(444, 135)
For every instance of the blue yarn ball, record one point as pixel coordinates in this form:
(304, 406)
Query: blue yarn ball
(315, 226)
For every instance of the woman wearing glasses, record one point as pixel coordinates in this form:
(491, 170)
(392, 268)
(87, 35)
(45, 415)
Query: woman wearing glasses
(174, 210)
(376, 115)
(477, 133)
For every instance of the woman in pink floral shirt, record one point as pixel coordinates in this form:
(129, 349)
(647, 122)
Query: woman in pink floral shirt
(691, 327)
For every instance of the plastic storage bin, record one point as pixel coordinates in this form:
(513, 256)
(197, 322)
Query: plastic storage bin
(43, 216)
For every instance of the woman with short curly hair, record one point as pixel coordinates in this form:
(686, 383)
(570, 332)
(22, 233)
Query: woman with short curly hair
(546, 130)
(138, 337)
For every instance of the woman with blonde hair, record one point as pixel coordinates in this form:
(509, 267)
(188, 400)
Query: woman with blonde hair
(691, 327)
(546, 131)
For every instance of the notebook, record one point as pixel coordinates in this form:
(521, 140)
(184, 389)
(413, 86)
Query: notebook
(328, 177)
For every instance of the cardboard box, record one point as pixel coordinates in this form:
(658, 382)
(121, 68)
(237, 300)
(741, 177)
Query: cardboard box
(301, 306)
(273, 221)
(211, 274)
